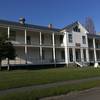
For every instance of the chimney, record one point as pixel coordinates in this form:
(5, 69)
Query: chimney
(22, 20)
(50, 26)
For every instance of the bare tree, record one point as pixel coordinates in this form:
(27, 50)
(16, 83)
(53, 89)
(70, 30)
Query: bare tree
(89, 25)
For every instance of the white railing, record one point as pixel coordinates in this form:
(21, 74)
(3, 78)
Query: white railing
(59, 45)
(31, 61)
(37, 44)
(17, 43)
(22, 43)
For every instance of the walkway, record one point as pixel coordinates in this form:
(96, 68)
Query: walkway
(90, 94)
(29, 88)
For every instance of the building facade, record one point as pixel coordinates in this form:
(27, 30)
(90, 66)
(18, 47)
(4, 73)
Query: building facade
(38, 45)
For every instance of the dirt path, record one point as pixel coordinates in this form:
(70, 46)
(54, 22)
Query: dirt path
(29, 88)
(90, 94)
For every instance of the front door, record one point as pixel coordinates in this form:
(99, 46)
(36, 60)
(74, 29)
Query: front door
(78, 55)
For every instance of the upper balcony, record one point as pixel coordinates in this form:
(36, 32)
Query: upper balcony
(97, 43)
(18, 38)
(46, 39)
(90, 43)
(33, 38)
(59, 40)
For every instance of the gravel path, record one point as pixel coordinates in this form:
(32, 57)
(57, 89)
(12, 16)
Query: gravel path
(28, 88)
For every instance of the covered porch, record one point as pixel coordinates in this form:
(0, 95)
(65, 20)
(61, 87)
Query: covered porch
(78, 55)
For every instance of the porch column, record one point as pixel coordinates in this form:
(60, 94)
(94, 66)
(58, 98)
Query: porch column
(54, 57)
(66, 55)
(8, 32)
(87, 55)
(66, 50)
(82, 58)
(8, 62)
(40, 47)
(95, 56)
(74, 55)
(25, 46)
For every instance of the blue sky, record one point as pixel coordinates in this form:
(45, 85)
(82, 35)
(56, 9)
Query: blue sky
(58, 12)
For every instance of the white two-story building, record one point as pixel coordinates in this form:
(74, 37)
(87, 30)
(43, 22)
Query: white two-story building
(39, 45)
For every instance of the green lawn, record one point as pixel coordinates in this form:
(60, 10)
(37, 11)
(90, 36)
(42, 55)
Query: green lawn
(19, 78)
(40, 93)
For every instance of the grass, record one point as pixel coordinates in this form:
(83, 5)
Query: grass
(19, 78)
(40, 93)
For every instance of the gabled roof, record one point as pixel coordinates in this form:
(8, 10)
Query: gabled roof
(17, 24)
(71, 25)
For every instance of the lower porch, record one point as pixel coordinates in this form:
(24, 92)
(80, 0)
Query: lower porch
(77, 55)
(91, 56)
(37, 56)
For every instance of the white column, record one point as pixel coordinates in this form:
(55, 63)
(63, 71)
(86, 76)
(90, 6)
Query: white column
(66, 49)
(74, 55)
(95, 56)
(87, 55)
(66, 55)
(40, 38)
(54, 58)
(8, 32)
(8, 38)
(26, 46)
(82, 58)
(40, 47)
(25, 36)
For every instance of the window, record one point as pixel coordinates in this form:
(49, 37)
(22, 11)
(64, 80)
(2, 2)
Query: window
(76, 29)
(84, 39)
(62, 54)
(70, 38)
(61, 38)
(28, 40)
(12, 35)
(42, 38)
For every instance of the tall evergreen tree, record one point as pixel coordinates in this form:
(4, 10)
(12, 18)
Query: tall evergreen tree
(6, 49)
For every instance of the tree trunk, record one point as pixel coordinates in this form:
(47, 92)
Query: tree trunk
(8, 65)
(0, 64)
